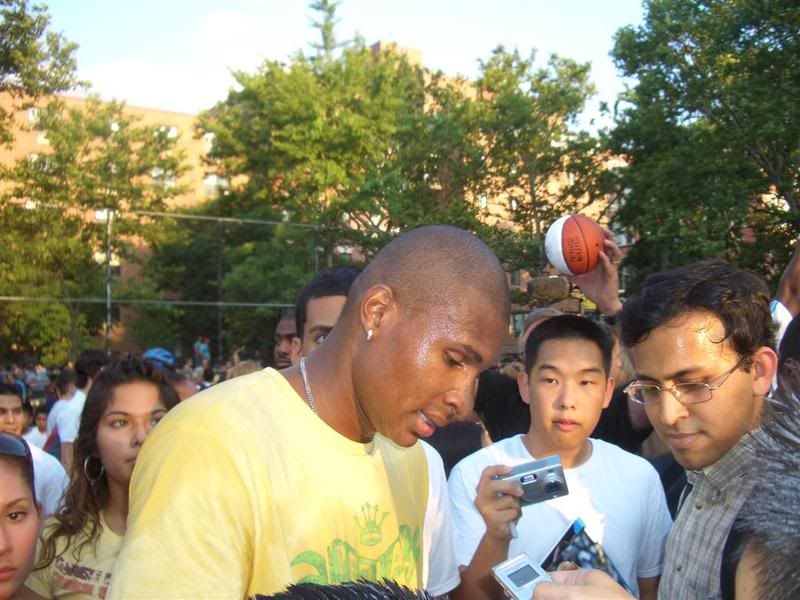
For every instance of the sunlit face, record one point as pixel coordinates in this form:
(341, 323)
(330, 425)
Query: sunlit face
(284, 333)
(688, 349)
(19, 527)
(419, 371)
(130, 416)
(567, 389)
(321, 316)
(12, 417)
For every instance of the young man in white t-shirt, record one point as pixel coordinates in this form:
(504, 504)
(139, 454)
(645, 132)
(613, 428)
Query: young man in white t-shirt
(617, 495)
(49, 478)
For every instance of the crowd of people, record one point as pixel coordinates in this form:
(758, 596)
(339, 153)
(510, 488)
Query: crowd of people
(369, 461)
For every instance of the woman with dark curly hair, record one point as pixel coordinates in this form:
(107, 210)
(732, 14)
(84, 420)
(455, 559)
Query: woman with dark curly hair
(80, 543)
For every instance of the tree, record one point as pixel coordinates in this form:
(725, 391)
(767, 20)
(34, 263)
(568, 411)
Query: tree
(34, 62)
(711, 129)
(328, 44)
(535, 157)
(100, 159)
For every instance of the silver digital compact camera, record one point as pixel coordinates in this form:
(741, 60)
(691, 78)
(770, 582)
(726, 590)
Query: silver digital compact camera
(519, 576)
(540, 480)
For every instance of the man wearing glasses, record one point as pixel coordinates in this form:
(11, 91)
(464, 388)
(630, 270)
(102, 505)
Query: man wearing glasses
(701, 340)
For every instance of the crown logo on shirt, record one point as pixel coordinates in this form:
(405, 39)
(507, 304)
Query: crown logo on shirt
(370, 534)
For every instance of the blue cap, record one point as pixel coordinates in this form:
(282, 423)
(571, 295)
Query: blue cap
(160, 356)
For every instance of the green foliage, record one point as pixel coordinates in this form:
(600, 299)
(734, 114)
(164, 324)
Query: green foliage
(364, 145)
(328, 44)
(99, 158)
(33, 61)
(534, 156)
(711, 130)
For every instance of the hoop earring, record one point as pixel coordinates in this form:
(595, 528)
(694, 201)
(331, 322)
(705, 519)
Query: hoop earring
(370, 333)
(97, 477)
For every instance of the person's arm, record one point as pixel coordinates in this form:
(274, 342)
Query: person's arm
(497, 502)
(66, 456)
(788, 292)
(648, 588)
(601, 284)
(656, 524)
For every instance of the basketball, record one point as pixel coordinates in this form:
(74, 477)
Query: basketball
(573, 244)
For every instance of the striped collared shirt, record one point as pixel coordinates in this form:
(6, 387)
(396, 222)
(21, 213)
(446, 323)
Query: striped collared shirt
(694, 548)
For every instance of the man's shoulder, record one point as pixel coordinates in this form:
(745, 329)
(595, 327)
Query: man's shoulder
(239, 404)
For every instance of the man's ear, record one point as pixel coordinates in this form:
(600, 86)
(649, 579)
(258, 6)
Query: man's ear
(765, 365)
(609, 392)
(378, 303)
(297, 349)
(522, 384)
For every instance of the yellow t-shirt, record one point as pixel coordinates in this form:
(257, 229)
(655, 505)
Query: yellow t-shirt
(243, 490)
(77, 578)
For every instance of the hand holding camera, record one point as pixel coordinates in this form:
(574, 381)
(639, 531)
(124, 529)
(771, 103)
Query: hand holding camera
(497, 501)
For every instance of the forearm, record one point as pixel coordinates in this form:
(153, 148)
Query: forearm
(648, 588)
(66, 456)
(477, 582)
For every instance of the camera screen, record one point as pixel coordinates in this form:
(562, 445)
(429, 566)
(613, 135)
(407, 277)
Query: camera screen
(522, 576)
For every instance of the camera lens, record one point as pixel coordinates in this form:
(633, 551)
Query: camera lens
(553, 483)
(553, 487)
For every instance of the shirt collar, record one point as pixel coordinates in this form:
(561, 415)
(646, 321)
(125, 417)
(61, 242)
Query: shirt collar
(731, 466)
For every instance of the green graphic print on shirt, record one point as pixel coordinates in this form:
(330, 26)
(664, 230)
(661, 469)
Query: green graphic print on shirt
(398, 562)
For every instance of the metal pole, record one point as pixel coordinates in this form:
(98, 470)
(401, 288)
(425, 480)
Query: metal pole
(219, 293)
(108, 278)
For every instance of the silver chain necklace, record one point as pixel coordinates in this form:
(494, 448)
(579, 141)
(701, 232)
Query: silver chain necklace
(309, 396)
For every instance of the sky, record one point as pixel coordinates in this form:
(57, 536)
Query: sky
(179, 54)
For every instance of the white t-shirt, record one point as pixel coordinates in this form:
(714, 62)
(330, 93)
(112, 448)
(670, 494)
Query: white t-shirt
(617, 494)
(782, 318)
(49, 479)
(54, 415)
(34, 437)
(71, 418)
(439, 565)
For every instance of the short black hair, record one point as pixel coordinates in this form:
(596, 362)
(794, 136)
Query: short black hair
(358, 590)
(739, 299)
(328, 282)
(66, 377)
(9, 389)
(770, 518)
(568, 327)
(88, 365)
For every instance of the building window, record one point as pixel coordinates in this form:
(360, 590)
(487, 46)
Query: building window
(515, 278)
(214, 185)
(208, 142)
(483, 201)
